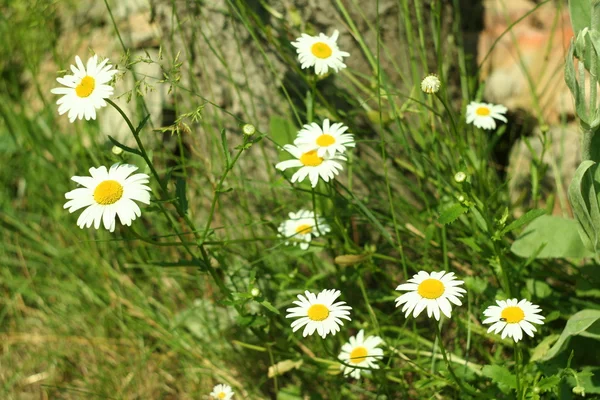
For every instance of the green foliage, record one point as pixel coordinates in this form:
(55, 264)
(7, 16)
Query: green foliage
(550, 237)
(585, 323)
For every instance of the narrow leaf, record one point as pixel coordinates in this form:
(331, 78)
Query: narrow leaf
(225, 148)
(180, 191)
(523, 220)
(123, 147)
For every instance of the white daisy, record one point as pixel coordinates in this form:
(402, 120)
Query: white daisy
(482, 115)
(311, 165)
(319, 313)
(222, 392)
(433, 291)
(327, 140)
(86, 89)
(360, 352)
(513, 318)
(301, 227)
(431, 84)
(108, 193)
(321, 51)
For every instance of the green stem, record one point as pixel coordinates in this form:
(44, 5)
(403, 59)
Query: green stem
(443, 349)
(518, 359)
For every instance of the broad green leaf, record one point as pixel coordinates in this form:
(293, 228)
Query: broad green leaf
(581, 14)
(583, 199)
(451, 213)
(541, 349)
(501, 376)
(576, 325)
(538, 289)
(556, 237)
(281, 130)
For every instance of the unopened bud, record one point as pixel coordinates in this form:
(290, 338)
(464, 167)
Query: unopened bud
(248, 129)
(117, 150)
(460, 177)
(255, 292)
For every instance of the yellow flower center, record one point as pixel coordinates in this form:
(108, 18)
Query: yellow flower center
(431, 288)
(325, 140)
(513, 315)
(358, 355)
(221, 395)
(482, 111)
(86, 86)
(108, 192)
(318, 312)
(311, 159)
(304, 229)
(321, 50)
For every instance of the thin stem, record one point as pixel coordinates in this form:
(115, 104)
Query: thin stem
(443, 349)
(518, 359)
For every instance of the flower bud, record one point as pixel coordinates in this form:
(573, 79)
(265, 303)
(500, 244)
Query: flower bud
(430, 84)
(248, 129)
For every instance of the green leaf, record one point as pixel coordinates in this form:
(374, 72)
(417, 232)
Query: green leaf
(281, 130)
(501, 376)
(549, 383)
(541, 349)
(576, 325)
(142, 124)
(523, 220)
(123, 147)
(451, 213)
(553, 237)
(180, 191)
(539, 289)
(581, 14)
(269, 306)
(583, 199)
(225, 148)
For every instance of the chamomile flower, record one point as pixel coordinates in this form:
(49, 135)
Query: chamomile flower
(319, 313)
(321, 52)
(311, 165)
(360, 352)
(433, 291)
(431, 84)
(108, 193)
(86, 89)
(222, 392)
(326, 140)
(301, 227)
(483, 115)
(512, 318)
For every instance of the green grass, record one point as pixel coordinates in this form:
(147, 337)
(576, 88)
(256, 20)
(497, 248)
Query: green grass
(164, 309)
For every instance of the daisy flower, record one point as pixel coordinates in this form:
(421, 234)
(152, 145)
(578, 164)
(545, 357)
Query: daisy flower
(86, 89)
(301, 227)
(321, 51)
(311, 165)
(430, 84)
(482, 115)
(512, 318)
(433, 291)
(319, 313)
(222, 392)
(360, 352)
(327, 140)
(108, 193)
